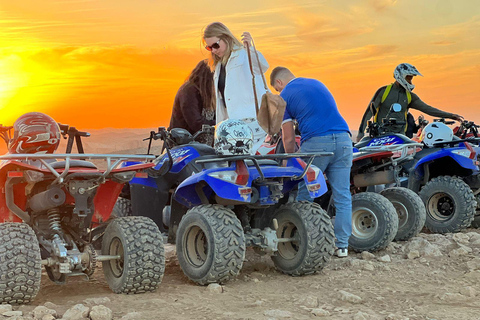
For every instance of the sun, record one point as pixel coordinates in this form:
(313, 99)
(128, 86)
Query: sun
(12, 78)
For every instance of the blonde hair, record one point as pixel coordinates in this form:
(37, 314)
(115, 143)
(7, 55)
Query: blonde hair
(219, 30)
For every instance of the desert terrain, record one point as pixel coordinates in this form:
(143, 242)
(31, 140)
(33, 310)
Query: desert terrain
(431, 276)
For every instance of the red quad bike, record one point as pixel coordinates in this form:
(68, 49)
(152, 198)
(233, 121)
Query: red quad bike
(55, 209)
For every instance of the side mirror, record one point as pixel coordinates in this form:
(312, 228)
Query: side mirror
(396, 107)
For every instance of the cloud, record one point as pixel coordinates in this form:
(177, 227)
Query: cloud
(382, 5)
(442, 43)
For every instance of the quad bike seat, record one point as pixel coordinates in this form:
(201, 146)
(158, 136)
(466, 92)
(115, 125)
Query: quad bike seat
(73, 164)
(262, 162)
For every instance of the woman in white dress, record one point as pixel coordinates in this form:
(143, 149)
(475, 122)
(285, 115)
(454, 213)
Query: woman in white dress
(233, 78)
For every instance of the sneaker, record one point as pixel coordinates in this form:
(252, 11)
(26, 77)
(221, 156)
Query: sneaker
(341, 252)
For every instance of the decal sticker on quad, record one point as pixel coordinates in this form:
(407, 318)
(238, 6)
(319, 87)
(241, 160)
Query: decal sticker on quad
(385, 141)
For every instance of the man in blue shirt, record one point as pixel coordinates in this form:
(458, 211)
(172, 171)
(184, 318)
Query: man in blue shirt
(323, 129)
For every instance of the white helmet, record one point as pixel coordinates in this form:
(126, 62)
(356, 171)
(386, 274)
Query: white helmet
(233, 137)
(403, 70)
(436, 132)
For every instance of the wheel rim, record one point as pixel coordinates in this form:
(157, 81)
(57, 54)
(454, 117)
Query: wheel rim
(441, 206)
(196, 246)
(288, 250)
(364, 223)
(116, 249)
(402, 213)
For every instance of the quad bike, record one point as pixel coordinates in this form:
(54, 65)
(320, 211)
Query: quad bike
(380, 166)
(214, 206)
(374, 224)
(445, 173)
(55, 209)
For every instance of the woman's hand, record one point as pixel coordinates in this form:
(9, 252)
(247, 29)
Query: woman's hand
(246, 38)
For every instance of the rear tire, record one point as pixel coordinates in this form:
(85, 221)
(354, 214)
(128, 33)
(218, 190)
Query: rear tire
(210, 244)
(450, 204)
(139, 244)
(374, 222)
(20, 263)
(314, 241)
(410, 210)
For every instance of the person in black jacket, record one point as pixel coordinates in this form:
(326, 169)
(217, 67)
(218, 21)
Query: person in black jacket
(400, 92)
(194, 104)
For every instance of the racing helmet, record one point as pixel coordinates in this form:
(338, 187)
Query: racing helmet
(233, 137)
(34, 132)
(403, 70)
(436, 132)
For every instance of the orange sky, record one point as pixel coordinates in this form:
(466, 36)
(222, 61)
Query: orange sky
(119, 63)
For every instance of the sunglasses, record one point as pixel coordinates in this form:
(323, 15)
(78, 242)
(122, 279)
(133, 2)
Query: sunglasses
(215, 46)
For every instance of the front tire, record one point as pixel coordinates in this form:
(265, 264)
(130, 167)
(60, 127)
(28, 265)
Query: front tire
(20, 263)
(450, 204)
(139, 244)
(314, 242)
(410, 210)
(374, 222)
(210, 244)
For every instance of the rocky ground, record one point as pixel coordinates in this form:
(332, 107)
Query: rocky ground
(431, 276)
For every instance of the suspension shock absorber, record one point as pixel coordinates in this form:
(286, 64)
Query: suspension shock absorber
(54, 220)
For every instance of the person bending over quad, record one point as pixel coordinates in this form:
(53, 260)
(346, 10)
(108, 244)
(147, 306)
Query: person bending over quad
(399, 92)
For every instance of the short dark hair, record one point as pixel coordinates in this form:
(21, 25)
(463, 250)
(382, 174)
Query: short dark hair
(277, 73)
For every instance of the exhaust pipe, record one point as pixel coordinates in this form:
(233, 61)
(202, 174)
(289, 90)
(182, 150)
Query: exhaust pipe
(374, 178)
(46, 200)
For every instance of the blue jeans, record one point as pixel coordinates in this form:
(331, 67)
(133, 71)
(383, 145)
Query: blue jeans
(337, 169)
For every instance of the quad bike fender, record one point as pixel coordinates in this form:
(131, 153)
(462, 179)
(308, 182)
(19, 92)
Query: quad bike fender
(198, 188)
(462, 161)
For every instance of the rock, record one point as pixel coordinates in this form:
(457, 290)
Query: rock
(278, 314)
(395, 317)
(40, 311)
(12, 314)
(77, 312)
(308, 301)
(215, 288)
(462, 251)
(452, 297)
(474, 237)
(48, 317)
(133, 316)
(50, 305)
(96, 301)
(369, 266)
(347, 296)
(319, 312)
(461, 237)
(5, 308)
(361, 316)
(468, 291)
(413, 254)
(474, 264)
(353, 262)
(367, 255)
(424, 247)
(385, 258)
(101, 313)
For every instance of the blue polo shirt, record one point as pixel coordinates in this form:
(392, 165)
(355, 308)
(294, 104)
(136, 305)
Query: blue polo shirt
(313, 106)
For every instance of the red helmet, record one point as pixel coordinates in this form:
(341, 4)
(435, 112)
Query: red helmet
(34, 132)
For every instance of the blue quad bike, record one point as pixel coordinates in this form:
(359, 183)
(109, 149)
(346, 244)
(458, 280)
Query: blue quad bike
(214, 206)
(446, 175)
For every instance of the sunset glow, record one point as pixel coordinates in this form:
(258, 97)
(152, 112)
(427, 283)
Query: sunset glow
(96, 64)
